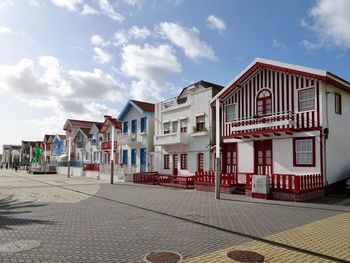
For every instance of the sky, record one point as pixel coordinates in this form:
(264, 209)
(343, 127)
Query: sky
(83, 59)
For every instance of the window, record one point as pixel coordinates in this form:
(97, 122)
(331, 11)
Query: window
(307, 99)
(183, 161)
(166, 161)
(143, 124)
(337, 103)
(166, 127)
(200, 123)
(304, 151)
(125, 127)
(133, 126)
(125, 156)
(200, 162)
(133, 156)
(174, 126)
(264, 103)
(183, 125)
(230, 113)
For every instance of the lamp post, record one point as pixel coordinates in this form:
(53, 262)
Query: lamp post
(69, 149)
(112, 156)
(217, 173)
(45, 159)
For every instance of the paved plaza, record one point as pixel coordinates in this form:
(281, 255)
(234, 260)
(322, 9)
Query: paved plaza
(89, 220)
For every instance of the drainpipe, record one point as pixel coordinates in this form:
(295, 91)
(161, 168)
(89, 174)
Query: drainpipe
(112, 156)
(325, 132)
(69, 149)
(217, 173)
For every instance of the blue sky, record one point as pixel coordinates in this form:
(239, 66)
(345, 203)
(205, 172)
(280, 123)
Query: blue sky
(83, 59)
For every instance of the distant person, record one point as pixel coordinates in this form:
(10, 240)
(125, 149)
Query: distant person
(7, 166)
(16, 168)
(1, 166)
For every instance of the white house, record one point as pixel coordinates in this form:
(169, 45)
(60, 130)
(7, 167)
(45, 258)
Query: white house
(183, 126)
(286, 121)
(136, 138)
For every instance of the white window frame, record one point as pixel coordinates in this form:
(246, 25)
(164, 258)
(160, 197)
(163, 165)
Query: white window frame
(308, 99)
(234, 114)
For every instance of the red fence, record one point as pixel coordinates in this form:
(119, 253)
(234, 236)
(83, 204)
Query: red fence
(283, 182)
(108, 145)
(178, 181)
(208, 178)
(91, 167)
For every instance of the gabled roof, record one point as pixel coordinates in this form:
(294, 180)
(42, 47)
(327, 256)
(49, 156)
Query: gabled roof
(47, 137)
(109, 121)
(205, 84)
(78, 123)
(290, 68)
(84, 131)
(141, 106)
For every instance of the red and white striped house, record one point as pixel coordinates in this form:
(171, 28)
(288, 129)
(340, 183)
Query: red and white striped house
(286, 121)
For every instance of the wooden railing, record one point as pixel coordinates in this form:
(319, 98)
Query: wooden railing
(284, 182)
(177, 181)
(91, 167)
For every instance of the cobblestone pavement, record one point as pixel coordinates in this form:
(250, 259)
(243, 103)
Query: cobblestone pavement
(86, 220)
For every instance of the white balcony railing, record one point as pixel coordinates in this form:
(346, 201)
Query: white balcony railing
(132, 139)
(279, 119)
(172, 138)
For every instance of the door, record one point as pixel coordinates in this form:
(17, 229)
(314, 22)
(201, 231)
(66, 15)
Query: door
(142, 160)
(175, 164)
(231, 158)
(263, 157)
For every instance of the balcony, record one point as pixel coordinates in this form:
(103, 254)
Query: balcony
(273, 121)
(171, 138)
(132, 139)
(175, 103)
(108, 145)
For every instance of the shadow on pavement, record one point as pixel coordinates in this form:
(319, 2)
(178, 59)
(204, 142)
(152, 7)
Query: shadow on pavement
(10, 208)
(341, 198)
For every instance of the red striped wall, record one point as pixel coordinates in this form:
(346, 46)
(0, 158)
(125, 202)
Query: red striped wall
(284, 87)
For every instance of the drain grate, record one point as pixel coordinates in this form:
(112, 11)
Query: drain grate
(163, 257)
(19, 246)
(245, 256)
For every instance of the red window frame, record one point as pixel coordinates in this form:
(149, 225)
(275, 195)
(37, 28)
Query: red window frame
(264, 99)
(166, 161)
(183, 129)
(313, 164)
(299, 98)
(184, 161)
(337, 97)
(199, 156)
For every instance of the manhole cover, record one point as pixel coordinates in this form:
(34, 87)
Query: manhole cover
(163, 257)
(19, 245)
(245, 256)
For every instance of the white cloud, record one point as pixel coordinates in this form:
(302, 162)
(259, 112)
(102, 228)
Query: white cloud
(88, 10)
(310, 46)
(101, 56)
(123, 37)
(97, 40)
(187, 39)
(56, 88)
(150, 65)
(137, 3)
(216, 23)
(109, 11)
(330, 24)
(276, 43)
(139, 33)
(34, 2)
(5, 30)
(4, 3)
(69, 4)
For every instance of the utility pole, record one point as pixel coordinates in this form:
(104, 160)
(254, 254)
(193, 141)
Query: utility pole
(217, 173)
(112, 156)
(69, 149)
(45, 159)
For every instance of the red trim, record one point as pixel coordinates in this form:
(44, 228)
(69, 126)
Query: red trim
(199, 155)
(166, 161)
(258, 132)
(175, 164)
(264, 103)
(313, 164)
(184, 162)
(301, 90)
(336, 97)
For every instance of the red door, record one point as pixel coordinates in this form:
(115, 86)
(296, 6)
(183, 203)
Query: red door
(263, 157)
(175, 164)
(231, 158)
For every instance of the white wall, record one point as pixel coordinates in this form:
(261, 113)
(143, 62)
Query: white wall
(337, 156)
(197, 102)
